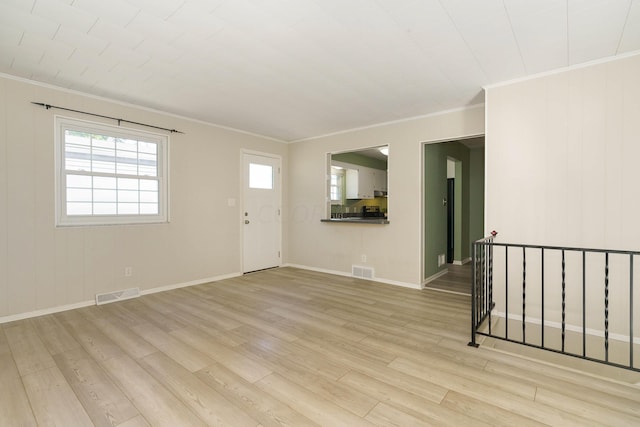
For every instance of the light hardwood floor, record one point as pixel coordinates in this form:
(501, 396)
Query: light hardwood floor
(457, 279)
(287, 347)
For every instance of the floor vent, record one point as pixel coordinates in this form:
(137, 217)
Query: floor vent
(117, 296)
(362, 272)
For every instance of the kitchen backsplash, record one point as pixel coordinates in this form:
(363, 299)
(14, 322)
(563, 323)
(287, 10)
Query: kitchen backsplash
(355, 206)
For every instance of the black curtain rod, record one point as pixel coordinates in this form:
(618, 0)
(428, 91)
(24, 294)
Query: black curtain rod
(47, 106)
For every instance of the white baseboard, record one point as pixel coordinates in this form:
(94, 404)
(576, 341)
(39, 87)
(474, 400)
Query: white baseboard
(190, 283)
(568, 327)
(463, 262)
(66, 307)
(347, 274)
(319, 270)
(398, 283)
(435, 276)
(45, 311)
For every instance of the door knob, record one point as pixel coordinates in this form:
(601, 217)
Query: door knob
(246, 221)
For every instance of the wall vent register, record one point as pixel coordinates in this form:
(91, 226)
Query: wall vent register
(362, 272)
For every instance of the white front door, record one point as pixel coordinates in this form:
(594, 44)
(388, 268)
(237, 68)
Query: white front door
(261, 216)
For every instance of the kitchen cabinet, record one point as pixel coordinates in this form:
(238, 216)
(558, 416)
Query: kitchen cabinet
(379, 180)
(360, 183)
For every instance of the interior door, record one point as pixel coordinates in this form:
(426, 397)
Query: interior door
(261, 216)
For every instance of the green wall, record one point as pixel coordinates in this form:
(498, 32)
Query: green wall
(468, 201)
(357, 159)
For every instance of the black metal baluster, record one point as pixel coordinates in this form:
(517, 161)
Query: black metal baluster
(524, 292)
(486, 282)
(483, 272)
(584, 304)
(606, 307)
(482, 282)
(631, 310)
(476, 269)
(478, 284)
(476, 301)
(564, 287)
(542, 300)
(490, 285)
(474, 254)
(506, 292)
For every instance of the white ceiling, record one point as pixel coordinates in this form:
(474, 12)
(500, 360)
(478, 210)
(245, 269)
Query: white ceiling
(293, 69)
(373, 153)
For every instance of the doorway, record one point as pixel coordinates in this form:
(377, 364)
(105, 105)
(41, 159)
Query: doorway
(453, 203)
(454, 206)
(261, 213)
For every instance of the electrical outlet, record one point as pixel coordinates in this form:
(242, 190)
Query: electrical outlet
(363, 258)
(128, 271)
(441, 260)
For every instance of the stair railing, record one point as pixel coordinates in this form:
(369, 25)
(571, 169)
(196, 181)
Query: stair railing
(533, 303)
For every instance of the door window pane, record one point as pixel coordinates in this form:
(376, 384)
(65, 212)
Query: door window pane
(260, 176)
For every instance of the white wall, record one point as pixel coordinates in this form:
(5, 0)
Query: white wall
(393, 250)
(562, 155)
(42, 266)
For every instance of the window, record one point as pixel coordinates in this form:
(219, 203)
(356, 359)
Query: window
(109, 175)
(337, 178)
(260, 176)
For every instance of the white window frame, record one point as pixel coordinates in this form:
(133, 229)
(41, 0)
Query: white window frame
(61, 124)
(339, 174)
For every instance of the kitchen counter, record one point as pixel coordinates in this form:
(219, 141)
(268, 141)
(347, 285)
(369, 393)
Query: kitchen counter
(358, 220)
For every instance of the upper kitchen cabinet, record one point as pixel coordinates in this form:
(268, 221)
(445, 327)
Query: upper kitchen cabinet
(365, 183)
(360, 183)
(379, 182)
